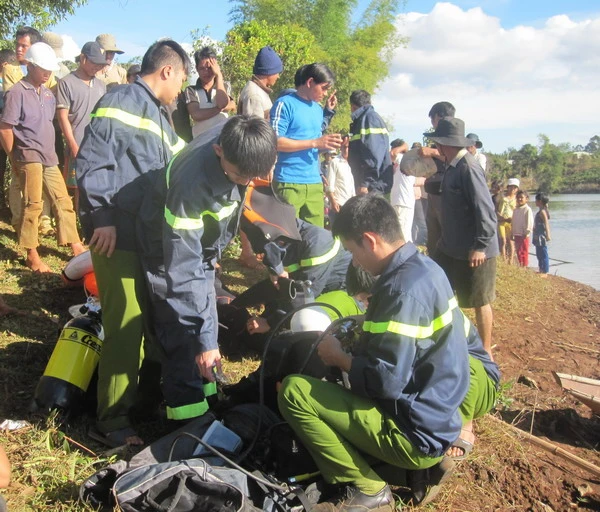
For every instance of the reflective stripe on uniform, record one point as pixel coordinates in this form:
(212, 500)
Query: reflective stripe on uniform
(185, 412)
(317, 260)
(140, 123)
(369, 131)
(467, 325)
(198, 222)
(414, 331)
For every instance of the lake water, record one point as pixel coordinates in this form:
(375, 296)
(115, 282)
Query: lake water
(575, 231)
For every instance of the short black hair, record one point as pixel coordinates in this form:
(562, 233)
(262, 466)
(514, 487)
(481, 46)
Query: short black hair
(7, 55)
(298, 76)
(358, 280)
(360, 98)
(165, 52)
(396, 143)
(442, 109)
(370, 213)
(523, 193)
(204, 53)
(320, 73)
(134, 69)
(34, 35)
(249, 143)
(542, 198)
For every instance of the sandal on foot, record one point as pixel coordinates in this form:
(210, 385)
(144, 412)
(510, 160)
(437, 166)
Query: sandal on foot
(114, 439)
(465, 443)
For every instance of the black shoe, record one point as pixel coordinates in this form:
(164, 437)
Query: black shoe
(425, 484)
(358, 501)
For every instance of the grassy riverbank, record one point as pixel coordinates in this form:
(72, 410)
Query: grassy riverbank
(540, 325)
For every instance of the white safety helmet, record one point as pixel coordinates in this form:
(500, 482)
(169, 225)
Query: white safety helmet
(310, 319)
(43, 56)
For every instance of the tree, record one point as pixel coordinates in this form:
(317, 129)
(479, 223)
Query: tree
(294, 44)
(40, 14)
(356, 46)
(499, 167)
(524, 160)
(550, 165)
(593, 146)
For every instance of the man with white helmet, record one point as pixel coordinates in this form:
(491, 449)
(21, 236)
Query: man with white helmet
(27, 135)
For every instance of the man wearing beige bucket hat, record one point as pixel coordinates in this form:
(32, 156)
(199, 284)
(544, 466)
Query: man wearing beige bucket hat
(55, 41)
(112, 74)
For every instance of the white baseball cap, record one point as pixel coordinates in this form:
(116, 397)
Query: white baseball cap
(514, 182)
(43, 56)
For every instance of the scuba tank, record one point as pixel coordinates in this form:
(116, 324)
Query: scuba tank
(72, 364)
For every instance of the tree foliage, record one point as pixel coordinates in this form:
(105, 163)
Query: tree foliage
(593, 146)
(39, 14)
(294, 44)
(357, 46)
(550, 167)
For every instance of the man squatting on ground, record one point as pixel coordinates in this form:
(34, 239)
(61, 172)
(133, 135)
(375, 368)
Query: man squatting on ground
(198, 206)
(416, 375)
(129, 136)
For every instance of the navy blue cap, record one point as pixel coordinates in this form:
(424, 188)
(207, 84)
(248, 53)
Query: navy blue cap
(267, 62)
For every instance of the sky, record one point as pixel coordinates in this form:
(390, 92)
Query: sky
(512, 68)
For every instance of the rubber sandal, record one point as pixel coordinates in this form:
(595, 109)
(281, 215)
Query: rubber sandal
(114, 439)
(464, 445)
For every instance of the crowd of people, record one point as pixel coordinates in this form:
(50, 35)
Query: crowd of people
(162, 177)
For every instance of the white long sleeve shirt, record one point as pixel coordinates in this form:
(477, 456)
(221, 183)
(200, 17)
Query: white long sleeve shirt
(522, 221)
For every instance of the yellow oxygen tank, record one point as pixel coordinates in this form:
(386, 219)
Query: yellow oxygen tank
(71, 365)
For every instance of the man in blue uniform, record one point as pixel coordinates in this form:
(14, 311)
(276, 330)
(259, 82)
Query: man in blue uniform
(129, 136)
(368, 153)
(409, 376)
(183, 228)
(292, 248)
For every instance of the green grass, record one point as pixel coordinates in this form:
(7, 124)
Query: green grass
(49, 464)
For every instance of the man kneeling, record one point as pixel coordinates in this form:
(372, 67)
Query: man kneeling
(409, 376)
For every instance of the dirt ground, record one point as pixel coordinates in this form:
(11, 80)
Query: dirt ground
(540, 326)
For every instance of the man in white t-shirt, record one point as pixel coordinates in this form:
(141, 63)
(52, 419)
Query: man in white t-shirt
(340, 182)
(255, 96)
(479, 156)
(402, 195)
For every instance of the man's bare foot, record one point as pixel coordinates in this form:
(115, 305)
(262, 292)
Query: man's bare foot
(464, 444)
(78, 248)
(35, 263)
(250, 261)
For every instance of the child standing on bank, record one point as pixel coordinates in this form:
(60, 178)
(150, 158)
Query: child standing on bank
(521, 227)
(541, 232)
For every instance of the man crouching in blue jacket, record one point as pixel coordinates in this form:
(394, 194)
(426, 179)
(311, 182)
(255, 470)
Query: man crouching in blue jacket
(183, 227)
(418, 373)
